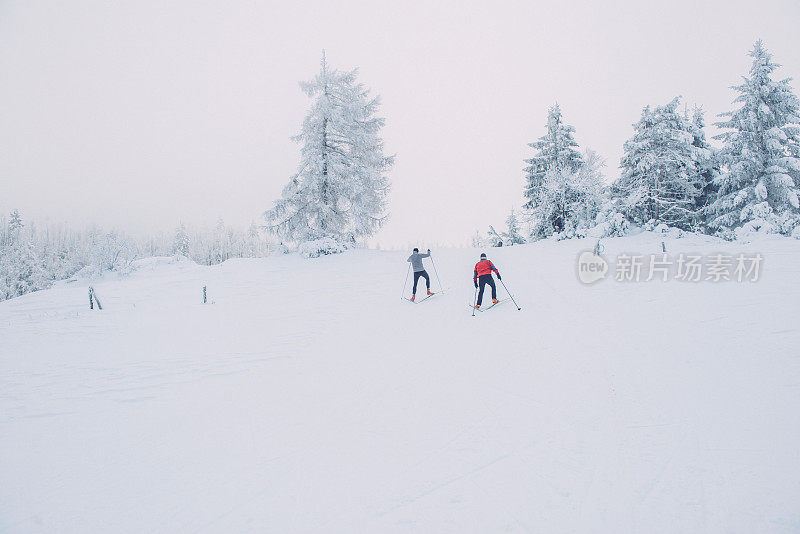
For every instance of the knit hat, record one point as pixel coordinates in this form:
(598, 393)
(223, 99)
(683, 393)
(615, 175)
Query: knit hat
(483, 255)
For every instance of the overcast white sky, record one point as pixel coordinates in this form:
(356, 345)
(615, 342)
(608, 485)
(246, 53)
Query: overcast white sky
(145, 113)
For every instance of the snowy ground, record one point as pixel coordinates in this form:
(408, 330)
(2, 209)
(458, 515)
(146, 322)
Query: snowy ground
(310, 397)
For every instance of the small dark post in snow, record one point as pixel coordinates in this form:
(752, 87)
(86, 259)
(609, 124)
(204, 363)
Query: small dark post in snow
(597, 248)
(93, 298)
(663, 247)
(204, 294)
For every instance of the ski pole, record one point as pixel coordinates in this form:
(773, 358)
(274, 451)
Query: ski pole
(510, 295)
(474, 302)
(406, 282)
(437, 274)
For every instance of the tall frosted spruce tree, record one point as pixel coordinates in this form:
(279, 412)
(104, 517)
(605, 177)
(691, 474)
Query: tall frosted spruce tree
(562, 185)
(340, 190)
(557, 149)
(662, 176)
(760, 182)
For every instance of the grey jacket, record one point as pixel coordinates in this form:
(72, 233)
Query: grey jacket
(416, 261)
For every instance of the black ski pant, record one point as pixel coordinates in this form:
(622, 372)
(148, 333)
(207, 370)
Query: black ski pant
(482, 281)
(421, 274)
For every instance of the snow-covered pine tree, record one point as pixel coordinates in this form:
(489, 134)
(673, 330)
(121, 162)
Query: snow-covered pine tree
(555, 196)
(660, 180)
(760, 183)
(556, 149)
(14, 224)
(706, 159)
(513, 234)
(545, 182)
(180, 245)
(341, 187)
(567, 199)
(220, 248)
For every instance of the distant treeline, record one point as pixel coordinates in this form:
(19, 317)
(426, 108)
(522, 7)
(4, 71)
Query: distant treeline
(32, 257)
(670, 173)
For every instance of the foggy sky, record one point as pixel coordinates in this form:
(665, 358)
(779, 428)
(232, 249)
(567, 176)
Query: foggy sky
(144, 114)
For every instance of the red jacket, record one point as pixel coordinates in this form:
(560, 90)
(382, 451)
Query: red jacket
(484, 267)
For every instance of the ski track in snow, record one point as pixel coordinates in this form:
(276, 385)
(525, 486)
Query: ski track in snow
(308, 398)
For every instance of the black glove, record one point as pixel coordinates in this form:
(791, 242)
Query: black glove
(429, 251)
(498, 276)
(476, 284)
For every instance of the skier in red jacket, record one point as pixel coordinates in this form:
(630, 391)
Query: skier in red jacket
(483, 274)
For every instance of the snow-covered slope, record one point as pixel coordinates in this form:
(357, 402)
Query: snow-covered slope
(310, 397)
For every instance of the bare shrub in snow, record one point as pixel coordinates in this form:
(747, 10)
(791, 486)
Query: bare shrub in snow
(320, 247)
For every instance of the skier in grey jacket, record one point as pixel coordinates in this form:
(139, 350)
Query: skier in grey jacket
(419, 271)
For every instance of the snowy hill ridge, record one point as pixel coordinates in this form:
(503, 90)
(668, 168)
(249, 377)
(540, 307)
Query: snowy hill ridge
(308, 397)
